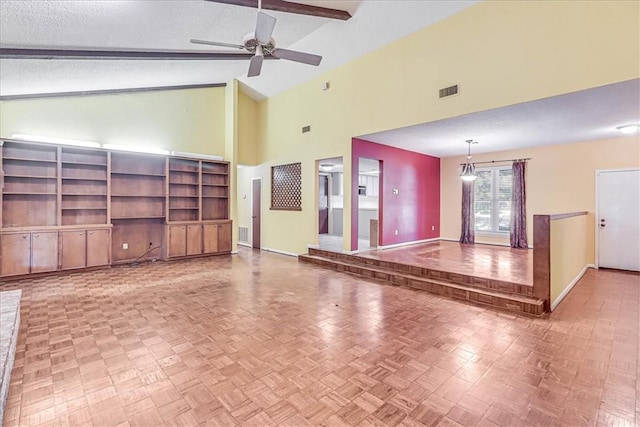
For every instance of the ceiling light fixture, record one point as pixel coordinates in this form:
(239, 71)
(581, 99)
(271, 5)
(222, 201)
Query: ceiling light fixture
(326, 167)
(629, 129)
(469, 169)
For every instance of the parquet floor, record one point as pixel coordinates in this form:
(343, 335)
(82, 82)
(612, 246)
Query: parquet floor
(488, 261)
(262, 340)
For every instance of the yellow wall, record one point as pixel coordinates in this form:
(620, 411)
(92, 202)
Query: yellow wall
(190, 120)
(248, 147)
(559, 179)
(500, 52)
(570, 252)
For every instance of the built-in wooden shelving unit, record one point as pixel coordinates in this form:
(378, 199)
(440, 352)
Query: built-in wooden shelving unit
(68, 207)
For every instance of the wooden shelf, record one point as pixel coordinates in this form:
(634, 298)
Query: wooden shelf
(67, 162)
(7, 175)
(137, 217)
(215, 197)
(104, 208)
(20, 159)
(142, 196)
(28, 193)
(155, 175)
(184, 209)
(69, 178)
(214, 185)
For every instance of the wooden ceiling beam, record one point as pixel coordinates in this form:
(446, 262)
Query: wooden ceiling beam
(11, 53)
(289, 7)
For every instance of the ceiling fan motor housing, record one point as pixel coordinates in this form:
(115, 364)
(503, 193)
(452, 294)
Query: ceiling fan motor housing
(250, 43)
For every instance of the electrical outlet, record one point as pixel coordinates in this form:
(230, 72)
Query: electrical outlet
(125, 246)
(433, 228)
(395, 232)
(150, 244)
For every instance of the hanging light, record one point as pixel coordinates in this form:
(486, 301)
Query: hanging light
(469, 169)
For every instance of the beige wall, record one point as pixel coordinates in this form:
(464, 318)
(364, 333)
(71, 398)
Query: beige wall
(570, 252)
(559, 178)
(191, 120)
(500, 52)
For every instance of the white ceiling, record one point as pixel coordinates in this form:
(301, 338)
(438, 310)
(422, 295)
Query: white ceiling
(579, 116)
(169, 24)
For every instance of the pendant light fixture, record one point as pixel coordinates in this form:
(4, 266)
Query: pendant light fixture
(469, 169)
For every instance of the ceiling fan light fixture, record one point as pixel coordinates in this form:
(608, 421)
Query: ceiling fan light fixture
(629, 129)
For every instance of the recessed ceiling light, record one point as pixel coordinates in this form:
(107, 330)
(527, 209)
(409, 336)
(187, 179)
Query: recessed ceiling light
(326, 167)
(628, 129)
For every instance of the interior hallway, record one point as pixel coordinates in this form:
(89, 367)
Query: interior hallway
(260, 339)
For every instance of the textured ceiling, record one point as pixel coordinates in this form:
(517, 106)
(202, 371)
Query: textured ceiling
(579, 116)
(169, 24)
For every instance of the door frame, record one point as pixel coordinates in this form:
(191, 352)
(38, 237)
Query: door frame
(597, 209)
(251, 212)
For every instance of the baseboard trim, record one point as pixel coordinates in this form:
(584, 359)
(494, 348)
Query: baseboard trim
(570, 286)
(245, 244)
(277, 251)
(413, 242)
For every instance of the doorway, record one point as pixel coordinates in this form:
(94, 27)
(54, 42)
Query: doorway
(256, 212)
(330, 204)
(618, 219)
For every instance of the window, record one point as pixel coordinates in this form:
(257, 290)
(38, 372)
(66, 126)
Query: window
(493, 200)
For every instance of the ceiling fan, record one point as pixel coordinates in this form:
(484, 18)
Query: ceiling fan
(261, 44)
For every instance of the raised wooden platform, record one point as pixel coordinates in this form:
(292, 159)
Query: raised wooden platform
(402, 268)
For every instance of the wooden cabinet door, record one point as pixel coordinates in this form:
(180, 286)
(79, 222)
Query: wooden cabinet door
(16, 253)
(177, 240)
(73, 245)
(44, 251)
(224, 237)
(210, 234)
(194, 239)
(98, 245)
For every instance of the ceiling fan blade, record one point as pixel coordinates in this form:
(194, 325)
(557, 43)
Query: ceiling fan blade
(294, 55)
(255, 66)
(196, 41)
(264, 27)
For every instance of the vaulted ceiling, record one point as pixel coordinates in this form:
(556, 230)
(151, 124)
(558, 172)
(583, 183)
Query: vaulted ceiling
(168, 25)
(160, 26)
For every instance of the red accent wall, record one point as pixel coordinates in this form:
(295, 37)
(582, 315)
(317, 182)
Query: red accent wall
(415, 209)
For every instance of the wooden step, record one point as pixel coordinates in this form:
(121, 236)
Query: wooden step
(507, 301)
(428, 273)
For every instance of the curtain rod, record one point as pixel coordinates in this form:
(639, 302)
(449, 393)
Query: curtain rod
(499, 161)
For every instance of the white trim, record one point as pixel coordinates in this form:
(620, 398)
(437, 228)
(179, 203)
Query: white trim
(277, 251)
(245, 244)
(414, 242)
(566, 291)
(312, 246)
(597, 210)
(250, 237)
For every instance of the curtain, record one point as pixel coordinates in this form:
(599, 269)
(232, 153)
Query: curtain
(468, 233)
(518, 207)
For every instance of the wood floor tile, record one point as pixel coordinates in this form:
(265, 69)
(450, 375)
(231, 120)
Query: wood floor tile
(260, 339)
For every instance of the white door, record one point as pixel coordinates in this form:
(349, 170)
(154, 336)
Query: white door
(618, 219)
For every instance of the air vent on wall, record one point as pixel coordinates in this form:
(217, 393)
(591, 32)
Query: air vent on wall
(448, 91)
(306, 129)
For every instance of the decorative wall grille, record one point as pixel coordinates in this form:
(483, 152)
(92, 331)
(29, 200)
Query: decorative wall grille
(286, 187)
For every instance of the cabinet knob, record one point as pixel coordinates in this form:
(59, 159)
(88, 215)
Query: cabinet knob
(36, 236)
(91, 232)
(24, 236)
